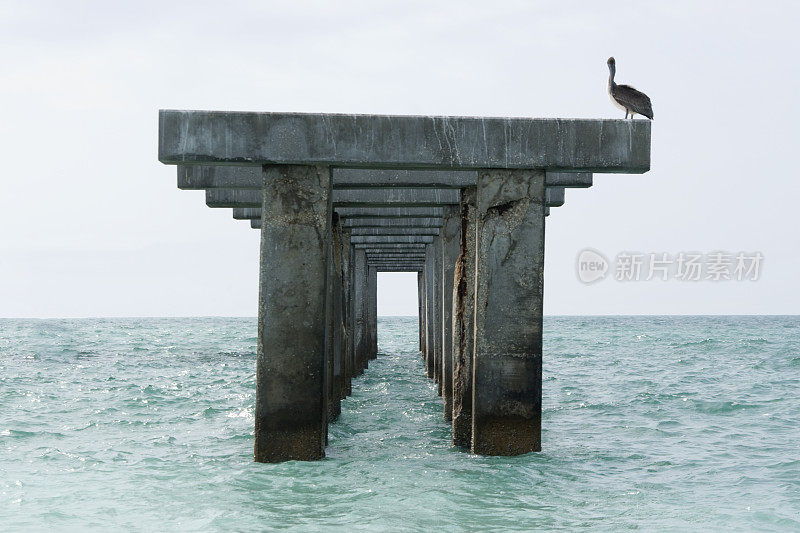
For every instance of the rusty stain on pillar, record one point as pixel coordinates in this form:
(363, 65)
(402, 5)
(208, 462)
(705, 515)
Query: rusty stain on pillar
(463, 322)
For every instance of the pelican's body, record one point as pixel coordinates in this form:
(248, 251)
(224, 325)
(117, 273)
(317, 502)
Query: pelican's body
(626, 97)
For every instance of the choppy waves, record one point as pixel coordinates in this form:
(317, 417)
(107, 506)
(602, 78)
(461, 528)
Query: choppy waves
(677, 423)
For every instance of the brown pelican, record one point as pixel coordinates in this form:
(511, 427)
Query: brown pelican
(626, 97)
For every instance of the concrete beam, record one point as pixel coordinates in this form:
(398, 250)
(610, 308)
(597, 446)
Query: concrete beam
(379, 222)
(395, 257)
(394, 239)
(245, 213)
(395, 197)
(390, 246)
(390, 268)
(394, 231)
(388, 212)
(554, 196)
(198, 177)
(344, 197)
(417, 254)
(382, 141)
(393, 262)
(248, 213)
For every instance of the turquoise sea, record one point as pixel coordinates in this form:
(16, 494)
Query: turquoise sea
(653, 423)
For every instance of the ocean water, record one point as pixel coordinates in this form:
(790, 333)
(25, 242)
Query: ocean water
(654, 423)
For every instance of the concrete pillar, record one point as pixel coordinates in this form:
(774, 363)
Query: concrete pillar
(290, 415)
(419, 309)
(359, 312)
(437, 311)
(372, 313)
(464, 322)
(507, 394)
(337, 317)
(451, 247)
(430, 284)
(347, 328)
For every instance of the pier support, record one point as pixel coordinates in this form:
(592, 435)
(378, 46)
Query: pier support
(347, 308)
(395, 179)
(290, 417)
(420, 317)
(507, 404)
(437, 313)
(372, 313)
(359, 312)
(464, 322)
(336, 339)
(430, 314)
(451, 247)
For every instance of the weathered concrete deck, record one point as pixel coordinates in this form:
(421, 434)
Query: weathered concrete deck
(338, 198)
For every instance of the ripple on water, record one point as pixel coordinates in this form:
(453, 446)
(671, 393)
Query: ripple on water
(652, 422)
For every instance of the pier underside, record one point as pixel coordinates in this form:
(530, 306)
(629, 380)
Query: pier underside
(339, 198)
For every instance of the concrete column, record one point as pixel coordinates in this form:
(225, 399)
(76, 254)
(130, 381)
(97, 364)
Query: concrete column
(464, 322)
(337, 317)
(372, 313)
(419, 309)
(451, 247)
(437, 313)
(347, 328)
(290, 415)
(359, 312)
(430, 284)
(507, 393)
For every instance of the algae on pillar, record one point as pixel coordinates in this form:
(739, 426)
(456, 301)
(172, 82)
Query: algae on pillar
(451, 246)
(463, 322)
(290, 417)
(507, 406)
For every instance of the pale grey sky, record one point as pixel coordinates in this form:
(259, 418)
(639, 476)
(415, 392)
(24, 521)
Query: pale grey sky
(92, 225)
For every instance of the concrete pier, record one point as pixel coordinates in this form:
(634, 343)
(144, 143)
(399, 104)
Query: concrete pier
(464, 321)
(372, 312)
(430, 314)
(507, 386)
(290, 415)
(360, 278)
(461, 201)
(451, 247)
(438, 319)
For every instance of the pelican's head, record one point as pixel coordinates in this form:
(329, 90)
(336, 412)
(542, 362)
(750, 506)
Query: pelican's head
(611, 62)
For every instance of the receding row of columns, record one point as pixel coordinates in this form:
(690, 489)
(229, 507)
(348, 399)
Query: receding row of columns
(482, 312)
(317, 326)
(480, 305)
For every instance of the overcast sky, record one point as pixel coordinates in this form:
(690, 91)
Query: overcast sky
(91, 224)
